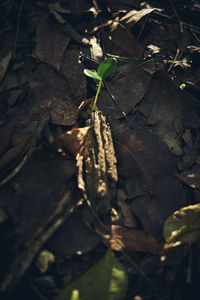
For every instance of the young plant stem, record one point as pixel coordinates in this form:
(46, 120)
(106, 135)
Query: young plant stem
(97, 94)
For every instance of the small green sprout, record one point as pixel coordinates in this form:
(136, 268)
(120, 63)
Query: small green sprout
(105, 69)
(182, 86)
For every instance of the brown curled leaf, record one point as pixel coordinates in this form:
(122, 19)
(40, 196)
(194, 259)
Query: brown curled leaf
(135, 240)
(73, 139)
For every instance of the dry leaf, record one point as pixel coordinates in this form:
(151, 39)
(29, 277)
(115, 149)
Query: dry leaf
(146, 168)
(134, 240)
(191, 177)
(121, 42)
(73, 139)
(133, 16)
(128, 86)
(4, 62)
(13, 153)
(5, 134)
(50, 42)
(63, 112)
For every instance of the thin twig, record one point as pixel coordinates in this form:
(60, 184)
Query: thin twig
(177, 16)
(175, 58)
(194, 34)
(189, 269)
(17, 28)
(115, 102)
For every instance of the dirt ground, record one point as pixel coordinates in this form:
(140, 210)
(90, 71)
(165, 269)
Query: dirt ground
(83, 194)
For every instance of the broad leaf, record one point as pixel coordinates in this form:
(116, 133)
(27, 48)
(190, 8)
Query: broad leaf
(107, 67)
(92, 74)
(183, 226)
(105, 280)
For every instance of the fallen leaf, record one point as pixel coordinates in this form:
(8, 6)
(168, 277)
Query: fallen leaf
(50, 42)
(73, 237)
(5, 134)
(13, 153)
(49, 98)
(105, 280)
(14, 79)
(121, 42)
(129, 239)
(38, 201)
(3, 215)
(190, 110)
(63, 112)
(133, 16)
(146, 168)
(128, 86)
(4, 62)
(191, 177)
(162, 106)
(183, 226)
(73, 139)
(73, 72)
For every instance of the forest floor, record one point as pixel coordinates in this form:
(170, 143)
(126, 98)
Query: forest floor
(87, 200)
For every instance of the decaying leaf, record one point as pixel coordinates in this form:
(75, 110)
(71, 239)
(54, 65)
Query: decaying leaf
(73, 139)
(128, 87)
(50, 42)
(134, 240)
(121, 42)
(63, 112)
(3, 215)
(162, 106)
(146, 168)
(5, 134)
(42, 208)
(191, 177)
(49, 98)
(4, 62)
(73, 72)
(13, 153)
(183, 226)
(133, 16)
(190, 110)
(105, 280)
(74, 237)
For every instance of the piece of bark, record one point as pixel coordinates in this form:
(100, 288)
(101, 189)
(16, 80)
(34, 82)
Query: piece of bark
(98, 162)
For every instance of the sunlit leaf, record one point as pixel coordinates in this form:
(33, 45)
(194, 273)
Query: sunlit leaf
(105, 280)
(183, 226)
(107, 67)
(92, 74)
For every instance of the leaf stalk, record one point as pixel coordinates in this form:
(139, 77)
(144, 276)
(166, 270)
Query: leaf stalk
(97, 94)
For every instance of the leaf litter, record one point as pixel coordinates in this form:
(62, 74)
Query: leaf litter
(135, 176)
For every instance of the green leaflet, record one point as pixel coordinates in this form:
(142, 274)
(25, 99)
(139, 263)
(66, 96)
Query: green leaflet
(107, 280)
(92, 74)
(183, 226)
(107, 67)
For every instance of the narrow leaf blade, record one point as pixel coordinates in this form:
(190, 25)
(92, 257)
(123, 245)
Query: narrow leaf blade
(92, 74)
(107, 67)
(107, 279)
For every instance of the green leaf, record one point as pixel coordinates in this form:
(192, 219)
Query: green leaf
(92, 74)
(183, 226)
(107, 67)
(107, 279)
